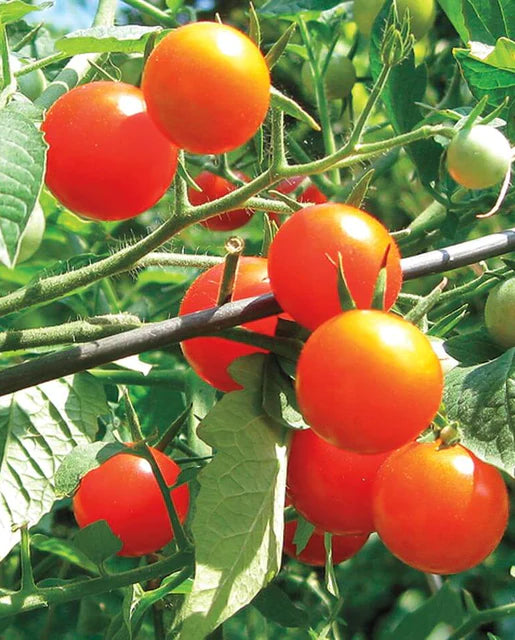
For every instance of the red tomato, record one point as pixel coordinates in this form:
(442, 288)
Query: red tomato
(124, 492)
(303, 261)
(210, 357)
(106, 158)
(440, 511)
(343, 547)
(214, 187)
(311, 193)
(368, 381)
(331, 487)
(207, 86)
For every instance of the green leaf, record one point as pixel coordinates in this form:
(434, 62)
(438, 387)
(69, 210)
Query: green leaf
(482, 400)
(330, 577)
(446, 606)
(22, 163)
(277, 50)
(97, 542)
(238, 523)
(303, 532)
(279, 399)
(292, 8)
(275, 605)
(454, 11)
(472, 348)
(126, 39)
(293, 109)
(16, 9)
(63, 549)
(81, 460)
(38, 428)
(360, 189)
(488, 20)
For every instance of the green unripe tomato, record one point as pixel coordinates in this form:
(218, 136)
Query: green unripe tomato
(500, 313)
(32, 235)
(478, 157)
(30, 84)
(422, 14)
(339, 78)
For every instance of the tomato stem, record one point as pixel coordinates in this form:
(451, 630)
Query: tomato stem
(234, 247)
(146, 8)
(27, 577)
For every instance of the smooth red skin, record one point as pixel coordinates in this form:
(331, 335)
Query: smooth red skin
(368, 381)
(210, 357)
(331, 487)
(207, 87)
(439, 511)
(124, 492)
(106, 159)
(343, 547)
(303, 261)
(214, 187)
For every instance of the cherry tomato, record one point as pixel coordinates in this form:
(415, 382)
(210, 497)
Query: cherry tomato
(500, 313)
(124, 491)
(106, 158)
(331, 487)
(343, 547)
(32, 235)
(478, 157)
(207, 86)
(339, 78)
(311, 194)
(440, 511)
(422, 14)
(368, 381)
(214, 187)
(210, 357)
(303, 261)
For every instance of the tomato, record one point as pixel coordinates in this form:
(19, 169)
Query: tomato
(210, 357)
(343, 547)
(440, 511)
(310, 193)
(422, 14)
(339, 78)
(303, 261)
(478, 157)
(32, 234)
(214, 187)
(331, 487)
(368, 381)
(106, 158)
(124, 492)
(500, 313)
(207, 86)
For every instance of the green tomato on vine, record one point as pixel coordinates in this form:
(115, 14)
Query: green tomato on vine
(339, 78)
(32, 234)
(500, 313)
(422, 14)
(30, 84)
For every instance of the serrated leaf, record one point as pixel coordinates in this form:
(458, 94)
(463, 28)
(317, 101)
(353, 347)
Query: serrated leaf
(293, 109)
(97, 542)
(275, 605)
(126, 39)
(38, 428)
(64, 549)
(22, 164)
(279, 399)
(16, 9)
(472, 348)
(79, 461)
(238, 524)
(482, 400)
(446, 606)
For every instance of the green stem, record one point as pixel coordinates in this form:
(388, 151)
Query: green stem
(41, 63)
(278, 150)
(234, 247)
(483, 617)
(286, 347)
(21, 601)
(153, 12)
(172, 378)
(27, 577)
(28, 37)
(161, 259)
(4, 55)
(132, 417)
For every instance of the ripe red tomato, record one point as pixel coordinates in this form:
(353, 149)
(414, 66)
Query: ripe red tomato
(210, 357)
(214, 187)
(368, 381)
(106, 158)
(207, 87)
(343, 547)
(331, 487)
(311, 193)
(124, 492)
(440, 511)
(307, 245)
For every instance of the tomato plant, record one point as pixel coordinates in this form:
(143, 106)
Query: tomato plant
(422, 14)
(32, 235)
(357, 378)
(478, 157)
(331, 487)
(440, 510)
(339, 77)
(30, 84)
(124, 491)
(214, 187)
(500, 313)
(207, 86)
(343, 547)
(309, 243)
(210, 357)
